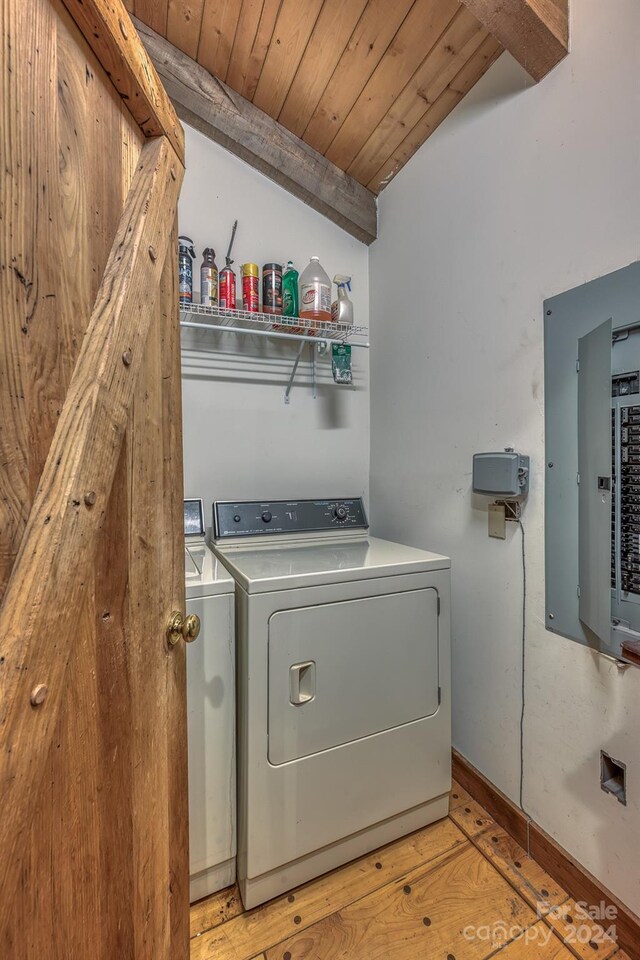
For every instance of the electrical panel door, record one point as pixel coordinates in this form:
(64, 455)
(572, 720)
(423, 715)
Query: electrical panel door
(594, 480)
(592, 461)
(609, 484)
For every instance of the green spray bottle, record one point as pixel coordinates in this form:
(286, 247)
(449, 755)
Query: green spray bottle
(290, 291)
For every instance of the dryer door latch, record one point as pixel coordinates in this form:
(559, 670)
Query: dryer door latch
(302, 682)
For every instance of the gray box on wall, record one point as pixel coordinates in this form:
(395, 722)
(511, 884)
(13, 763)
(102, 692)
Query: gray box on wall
(501, 474)
(576, 546)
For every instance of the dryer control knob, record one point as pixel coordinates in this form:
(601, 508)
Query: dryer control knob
(340, 512)
(266, 516)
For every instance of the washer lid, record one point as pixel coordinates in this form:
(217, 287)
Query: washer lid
(287, 567)
(204, 574)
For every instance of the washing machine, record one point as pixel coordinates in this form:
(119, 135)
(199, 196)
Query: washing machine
(343, 659)
(211, 713)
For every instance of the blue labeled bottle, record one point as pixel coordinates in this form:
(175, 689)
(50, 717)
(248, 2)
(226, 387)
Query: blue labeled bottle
(186, 256)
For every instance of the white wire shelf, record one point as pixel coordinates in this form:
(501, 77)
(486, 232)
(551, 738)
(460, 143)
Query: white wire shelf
(197, 316)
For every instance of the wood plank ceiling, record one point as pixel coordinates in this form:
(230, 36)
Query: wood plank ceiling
(364, 82)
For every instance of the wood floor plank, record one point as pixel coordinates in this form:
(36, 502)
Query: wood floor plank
(537, 943)
(532, 882)
(460, 907)
(585, 937)
(458, 796)
(257, 930)
(214, 910)
(409, 900)
(471, 818)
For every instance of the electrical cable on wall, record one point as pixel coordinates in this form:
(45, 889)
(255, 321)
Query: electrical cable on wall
(505, 474)
(524, 638)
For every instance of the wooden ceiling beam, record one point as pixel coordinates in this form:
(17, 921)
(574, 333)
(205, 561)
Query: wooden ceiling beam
(108, 30)
(535, 32)
(226, 117)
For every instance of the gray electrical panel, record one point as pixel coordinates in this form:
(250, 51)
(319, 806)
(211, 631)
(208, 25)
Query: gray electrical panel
(592, 445)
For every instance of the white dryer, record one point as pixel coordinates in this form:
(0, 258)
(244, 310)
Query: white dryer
(211, 714)
(344, 731)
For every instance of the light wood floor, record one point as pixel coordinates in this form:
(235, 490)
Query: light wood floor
(460, 889)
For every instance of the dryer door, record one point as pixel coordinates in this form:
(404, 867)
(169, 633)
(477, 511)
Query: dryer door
(339, 672)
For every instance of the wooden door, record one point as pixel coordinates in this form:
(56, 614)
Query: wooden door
(93, 825)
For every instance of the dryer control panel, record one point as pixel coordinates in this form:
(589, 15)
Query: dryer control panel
(258, 518)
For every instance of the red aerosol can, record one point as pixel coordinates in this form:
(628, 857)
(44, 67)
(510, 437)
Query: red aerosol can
(227, 288)
(227, 279)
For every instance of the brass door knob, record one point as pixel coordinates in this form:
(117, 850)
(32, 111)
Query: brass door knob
(182, 628)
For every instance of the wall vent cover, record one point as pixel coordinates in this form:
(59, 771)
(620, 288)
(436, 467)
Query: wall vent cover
(613, 777)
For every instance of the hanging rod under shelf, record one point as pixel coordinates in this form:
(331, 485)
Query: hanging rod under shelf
(319, 339)
(197, 317)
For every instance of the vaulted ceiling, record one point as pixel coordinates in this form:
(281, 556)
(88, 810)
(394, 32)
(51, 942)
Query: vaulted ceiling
(364, 82)
(330, 98)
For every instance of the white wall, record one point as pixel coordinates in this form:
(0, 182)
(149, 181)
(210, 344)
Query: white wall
(240, 440)
(524, 192)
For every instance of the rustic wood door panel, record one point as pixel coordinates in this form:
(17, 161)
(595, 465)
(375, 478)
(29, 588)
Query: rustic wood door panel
(100, 864)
